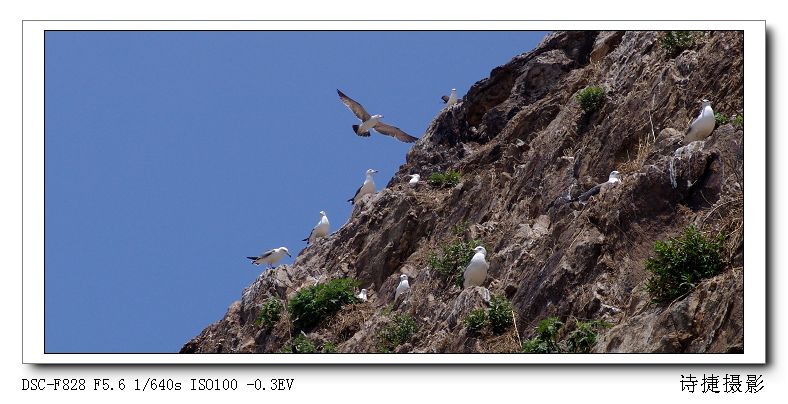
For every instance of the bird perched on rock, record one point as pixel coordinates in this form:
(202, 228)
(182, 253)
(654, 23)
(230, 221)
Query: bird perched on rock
(414, 179)
(372, 121)
(270, 257)
(702, 125)
(402, 287)
(451, 99)
(362, 295)
(368, 187)
(612, 179)
(320, 230)
(476, 271)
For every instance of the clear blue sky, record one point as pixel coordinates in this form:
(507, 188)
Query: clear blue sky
(171, 156)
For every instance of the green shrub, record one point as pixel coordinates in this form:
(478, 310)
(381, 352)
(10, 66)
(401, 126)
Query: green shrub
(450, 263)
(270, 313)
(398, 331)
(720, 119)
(312, 304)
(674, 42)
(448, 179)
(476, 320)
(681, 262)
(738, 121)
(329, 347)
(546, 339)
(583, 337)
(500, 313)
(591, 98)
(302, 344)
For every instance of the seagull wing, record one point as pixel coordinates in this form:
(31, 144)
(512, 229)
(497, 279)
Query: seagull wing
(394, 132)
(356, 194)
(266, 254)
(591, 192)
(445, 98)
(694, 121)
(354, 106)
(310, 236)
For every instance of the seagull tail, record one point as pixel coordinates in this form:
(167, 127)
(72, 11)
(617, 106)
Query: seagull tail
(355, 130)
(253, 260)
(351, 201)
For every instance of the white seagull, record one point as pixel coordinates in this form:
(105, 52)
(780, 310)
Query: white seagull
(320, 230)
(372, 121)
(368, 187)
(270, 257)
(362, 295)
(613, 179)
(702, 126)
(414, 179)
(403, 286)
(451, 99)
(476, 272)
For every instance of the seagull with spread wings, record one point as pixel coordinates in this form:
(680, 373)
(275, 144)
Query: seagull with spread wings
(372, 121)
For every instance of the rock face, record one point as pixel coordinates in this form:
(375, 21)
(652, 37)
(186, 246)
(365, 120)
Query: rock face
(523, 144)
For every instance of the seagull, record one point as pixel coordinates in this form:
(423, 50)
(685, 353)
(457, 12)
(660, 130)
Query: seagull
(476, 271)
(402, 287)
(368, 187)
(702, 126)
(414, 179)
(362, 295)
(320, 230)
(270, 257)
(612, 179)
(451, 99)
(372, 121)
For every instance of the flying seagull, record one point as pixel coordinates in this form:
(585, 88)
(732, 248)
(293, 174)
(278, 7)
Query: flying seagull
(402, 287)
(362, 295)
(368, 187)
(702, 125)
(451, 99)
(476, 271)
(372, 121)
(414, 179)
(270, 257)
(612, 179)
(320, 230)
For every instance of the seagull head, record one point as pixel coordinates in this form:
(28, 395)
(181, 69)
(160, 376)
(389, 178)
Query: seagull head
(706, 102)
(377, 116)
(371, 171)
(403, 277)
(322, 213)
(416, 176)
(363, 291)
(285, 250)
(614, 177)
(480, 249)
(454, 90)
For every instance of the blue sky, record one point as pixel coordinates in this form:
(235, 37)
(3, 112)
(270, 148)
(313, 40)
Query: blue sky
(171, 156)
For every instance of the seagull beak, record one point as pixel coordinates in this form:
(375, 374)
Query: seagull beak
(288, 254)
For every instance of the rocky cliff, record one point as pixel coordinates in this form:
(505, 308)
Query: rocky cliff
(524, 147)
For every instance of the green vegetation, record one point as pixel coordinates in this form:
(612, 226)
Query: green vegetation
(583, 337)
(302, 344)
(720, 119)
(329, 347)
(674, 42)
(270, 313)
(591, 98)
(681, 262)
(314, 303)
(401, 328)
(546, 339)
(450, 263)
(448, 179)
(738, 121)
(476, 320)
(500, 313)
(579, 340)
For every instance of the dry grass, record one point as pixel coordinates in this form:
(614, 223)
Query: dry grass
(728, 218)
(348, 321)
